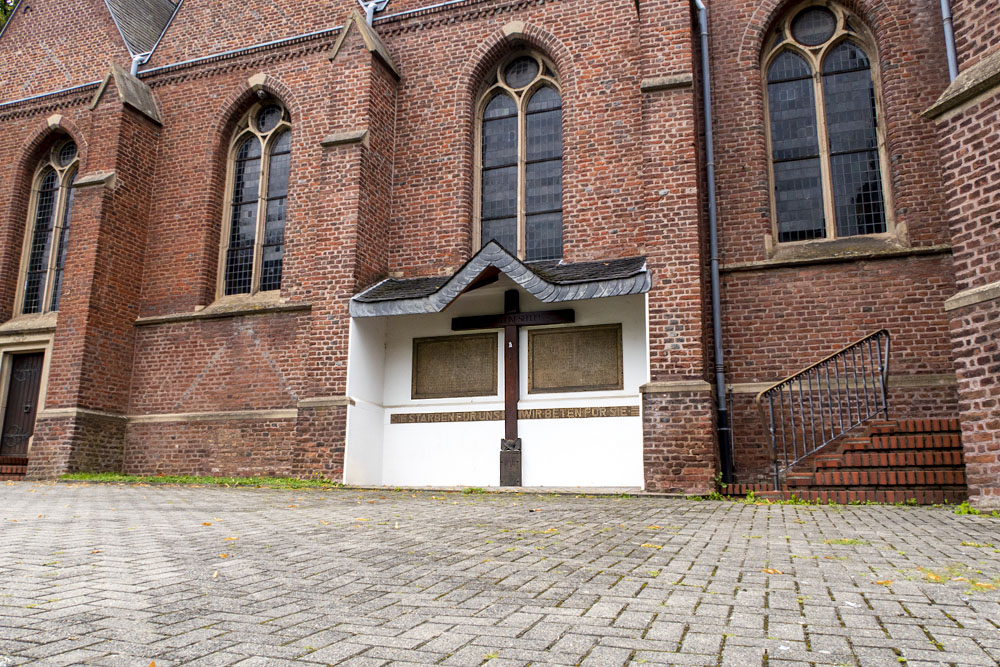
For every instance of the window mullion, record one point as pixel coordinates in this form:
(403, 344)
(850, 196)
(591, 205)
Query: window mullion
(829, 210)
(522, 177)
(57, 223)
(258, 238)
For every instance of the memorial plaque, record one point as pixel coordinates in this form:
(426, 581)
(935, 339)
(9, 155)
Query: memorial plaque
(575, 359)
(455, 366)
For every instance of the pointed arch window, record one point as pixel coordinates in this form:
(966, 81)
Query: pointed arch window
(254, 234)
(826, 140)
(47, 233)
(519, 185)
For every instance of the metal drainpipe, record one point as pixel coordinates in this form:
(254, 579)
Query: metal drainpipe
(372, 6)
(725, 436)
(137, 60)
(949, 39)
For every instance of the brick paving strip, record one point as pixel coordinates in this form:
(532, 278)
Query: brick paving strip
(130, 575)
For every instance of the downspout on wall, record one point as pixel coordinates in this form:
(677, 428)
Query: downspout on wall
(949, 39)
(722, 416)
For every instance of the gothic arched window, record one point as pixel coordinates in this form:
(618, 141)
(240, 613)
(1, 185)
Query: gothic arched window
(47, 233)
(519, 201)
(827, 151)
(254, 236)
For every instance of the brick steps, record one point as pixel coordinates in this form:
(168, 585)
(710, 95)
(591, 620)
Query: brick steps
(13, 468)
(895, 461)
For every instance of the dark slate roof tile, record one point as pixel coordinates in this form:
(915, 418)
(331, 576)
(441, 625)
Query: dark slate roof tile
(141, 22)
(549, 273)
(396, 288)
(586, 272)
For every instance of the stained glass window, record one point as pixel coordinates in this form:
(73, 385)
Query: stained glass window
(851, 122)
(823, 122)
(48, 230)
(255, 243)
(520, 199)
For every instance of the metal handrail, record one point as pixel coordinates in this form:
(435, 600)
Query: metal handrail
(820, 395)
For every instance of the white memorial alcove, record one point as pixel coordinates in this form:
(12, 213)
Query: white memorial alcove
(558, 452)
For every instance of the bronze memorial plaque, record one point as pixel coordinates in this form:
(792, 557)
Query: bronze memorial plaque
(455, 366)
(575, 359)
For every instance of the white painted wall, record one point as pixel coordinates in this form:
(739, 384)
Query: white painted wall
(365, 370)
(556, 452)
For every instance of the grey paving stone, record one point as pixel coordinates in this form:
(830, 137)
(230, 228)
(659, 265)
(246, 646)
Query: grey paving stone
(124, 575)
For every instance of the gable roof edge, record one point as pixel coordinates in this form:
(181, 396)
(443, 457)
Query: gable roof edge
(494, 255)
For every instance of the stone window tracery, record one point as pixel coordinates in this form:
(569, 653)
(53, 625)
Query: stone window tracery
(519, 158)
(254, 233)
(47, 234)
(826, 137)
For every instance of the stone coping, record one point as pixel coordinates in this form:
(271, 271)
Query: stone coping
(981, 78)
(659, 83)
(228, 307)
(973, 295)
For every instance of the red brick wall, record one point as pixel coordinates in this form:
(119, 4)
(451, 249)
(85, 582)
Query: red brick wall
(976, 330)
(778, 321)
(977, 30)
(970, 144)
(679, 450)
(81, 443)
(257, 447)
(236, 363)
(971, 149)
(69, 57)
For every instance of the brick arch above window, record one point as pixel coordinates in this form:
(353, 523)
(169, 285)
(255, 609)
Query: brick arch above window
(43, 135)
(878, 16)
(256, 88)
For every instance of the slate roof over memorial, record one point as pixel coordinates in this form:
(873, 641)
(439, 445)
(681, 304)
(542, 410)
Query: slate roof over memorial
(141, 22)
(548, 281)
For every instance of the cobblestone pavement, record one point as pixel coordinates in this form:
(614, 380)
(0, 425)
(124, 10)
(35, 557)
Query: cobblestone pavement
(131, 575)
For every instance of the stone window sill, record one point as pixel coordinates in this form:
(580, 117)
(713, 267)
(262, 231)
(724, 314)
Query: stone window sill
(835, 251)
(30, 324)
(261, 303)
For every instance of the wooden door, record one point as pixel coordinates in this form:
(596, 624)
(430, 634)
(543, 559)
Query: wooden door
(22, 403)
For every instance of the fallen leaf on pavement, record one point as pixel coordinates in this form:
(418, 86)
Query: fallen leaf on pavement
(771, 570)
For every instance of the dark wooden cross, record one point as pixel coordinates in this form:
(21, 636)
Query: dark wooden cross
(510, 321)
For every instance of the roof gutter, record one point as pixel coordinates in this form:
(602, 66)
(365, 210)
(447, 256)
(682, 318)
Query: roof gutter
(949, 39)
(722, 417)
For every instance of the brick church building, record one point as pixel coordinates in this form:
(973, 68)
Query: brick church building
(521, 242)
